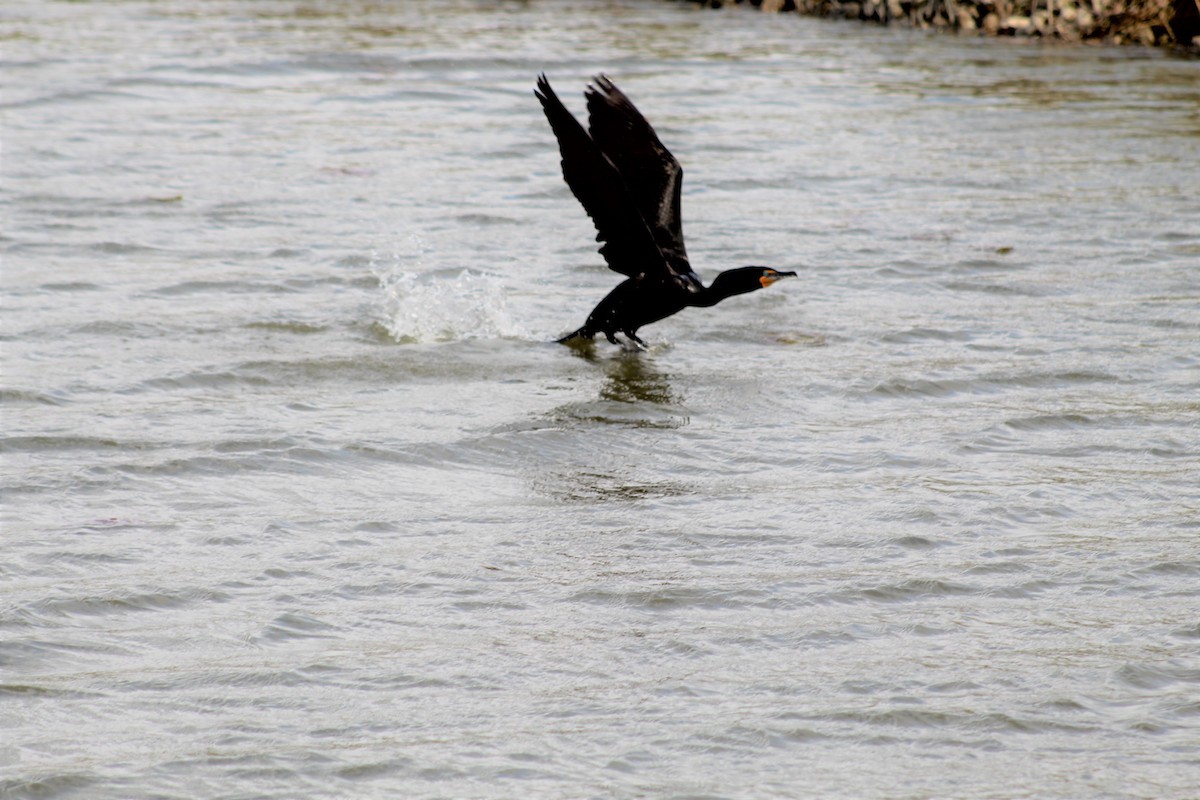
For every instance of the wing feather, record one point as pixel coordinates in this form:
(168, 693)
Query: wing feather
(652, 174)
(628, 247)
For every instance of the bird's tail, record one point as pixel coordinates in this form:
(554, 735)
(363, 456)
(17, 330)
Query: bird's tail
(582, 333)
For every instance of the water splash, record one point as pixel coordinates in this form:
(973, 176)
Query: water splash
(442, 306)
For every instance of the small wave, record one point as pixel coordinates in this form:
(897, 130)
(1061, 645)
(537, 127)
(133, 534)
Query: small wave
(1026, 590)
(41, 444)
(295, 460)
(59, 784)
(1006, 290)
(118, 328)
(919, 387)
(1157, 676)
(676, 596)
(290, 326)
(30, 690)
(1171, 568)
(297, 626)
(485, 219)
(122, 248)
(1049, 422)
(1190, 632)
(116, 603)
(926, 334)
(222, 379)
(918, 543)
(73, 96)
(31, 397)
(985, 384)
(998, 568)
(220, 287)
(904, 592)
(436, 307)
(70, 286)
(921, 718)
(972, 266)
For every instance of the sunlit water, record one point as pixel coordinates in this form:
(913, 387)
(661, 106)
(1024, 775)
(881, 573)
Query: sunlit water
(299, 502)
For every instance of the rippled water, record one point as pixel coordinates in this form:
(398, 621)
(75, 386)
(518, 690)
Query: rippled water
(299, 502)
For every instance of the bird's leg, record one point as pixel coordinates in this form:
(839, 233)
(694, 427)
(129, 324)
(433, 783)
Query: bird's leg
(634, 337)
(612, 337)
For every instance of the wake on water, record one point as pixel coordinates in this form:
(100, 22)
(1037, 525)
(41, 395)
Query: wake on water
(441, 305)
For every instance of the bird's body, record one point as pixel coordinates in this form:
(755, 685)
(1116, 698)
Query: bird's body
(630, 185)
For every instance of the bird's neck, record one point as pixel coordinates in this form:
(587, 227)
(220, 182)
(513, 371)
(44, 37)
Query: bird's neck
(722, 286)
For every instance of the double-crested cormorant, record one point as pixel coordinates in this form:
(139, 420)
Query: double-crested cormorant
(629, 184)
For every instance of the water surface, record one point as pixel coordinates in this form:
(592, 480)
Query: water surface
(300, 502)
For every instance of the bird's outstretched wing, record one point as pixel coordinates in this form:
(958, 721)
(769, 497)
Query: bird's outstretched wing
(629, 246)
(652, 175)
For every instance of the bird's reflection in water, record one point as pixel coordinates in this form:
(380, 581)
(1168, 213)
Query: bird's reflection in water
(631, 379)
(590, 460)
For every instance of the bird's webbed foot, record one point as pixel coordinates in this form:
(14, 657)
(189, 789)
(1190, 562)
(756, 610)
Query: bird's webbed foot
(632, 344)
(612, 337)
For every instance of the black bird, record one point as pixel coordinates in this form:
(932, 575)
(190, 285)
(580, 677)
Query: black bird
(629, 184)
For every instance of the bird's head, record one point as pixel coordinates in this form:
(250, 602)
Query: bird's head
(741, 281)
(767, 275)
(745, 279)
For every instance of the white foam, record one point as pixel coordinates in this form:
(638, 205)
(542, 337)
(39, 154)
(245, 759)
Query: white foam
(443, 305)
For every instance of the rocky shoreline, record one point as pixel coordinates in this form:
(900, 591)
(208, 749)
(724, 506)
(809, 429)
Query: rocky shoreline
(1146, 22)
